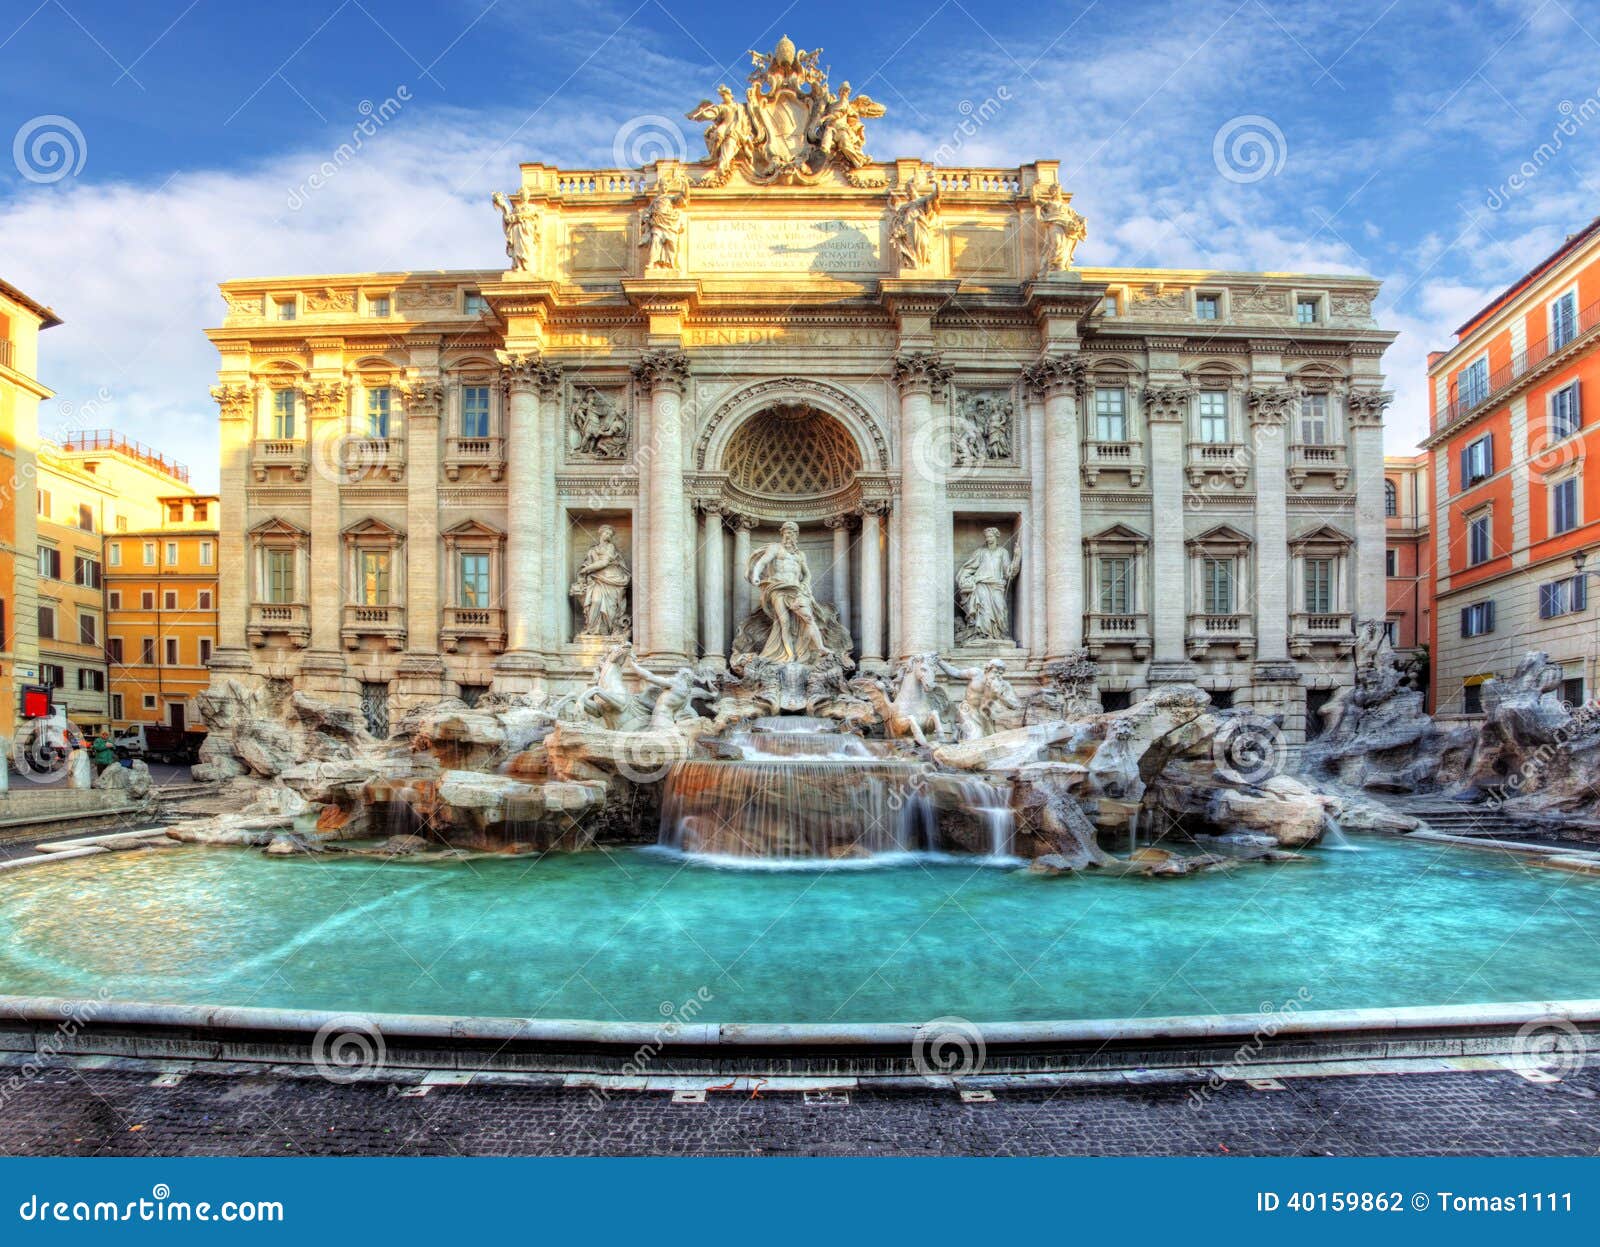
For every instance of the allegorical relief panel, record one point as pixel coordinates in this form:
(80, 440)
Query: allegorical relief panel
(983, 428)
(597, 424)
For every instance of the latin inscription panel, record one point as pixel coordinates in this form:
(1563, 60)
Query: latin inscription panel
(826, 246)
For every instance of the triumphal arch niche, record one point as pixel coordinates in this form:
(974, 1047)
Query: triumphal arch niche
(776, 399)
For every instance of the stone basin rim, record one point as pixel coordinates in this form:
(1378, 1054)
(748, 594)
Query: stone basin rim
(91, 1015)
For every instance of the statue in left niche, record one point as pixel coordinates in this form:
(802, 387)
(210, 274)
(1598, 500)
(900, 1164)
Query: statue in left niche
(602, 588)
(661, 228)
(982, 586)
(521, 224)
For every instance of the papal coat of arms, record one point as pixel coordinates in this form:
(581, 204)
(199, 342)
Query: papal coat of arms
(790, 128)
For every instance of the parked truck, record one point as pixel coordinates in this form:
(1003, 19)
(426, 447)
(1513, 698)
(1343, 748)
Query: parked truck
(155, 742)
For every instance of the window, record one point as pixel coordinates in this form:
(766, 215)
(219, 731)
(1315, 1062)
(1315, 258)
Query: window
(1391, 631)
(1472, 699)
(86, 517)
(44, 504)
(378, 305)
(86, 572)
(474, 304)
(283, 309)
(1472, 386)
(49, 563)
(1218, 581)
(1563, 320)
(280, 576)
(1391, 562)
(205, 650)
(47, 623)
(1319, 586)
(88, 629)
(1572, 691)
(1566, 415)
(1391, 499)
(172, 554)
(1305, 311)
(1564, 515)
(1110, 306)
(1213, 414)
(149, 701)
(1206, 306)
(116, 706)
(114, 650)
(169, 600)
(175, 512)
(1314, 420)
(1479, 539)
(205, 554)
(1110, 415)
(172, 651)
(147, 653)
(378, 412)
(473, 576)
(52, 674)
(284, 410)
(147, 600)
(1477, 619)
(1116, 586)
(114, 599)
(199, 511)
(373, 569)
(1563, 597)
(203, 600)
(475, 411)
(149, 554)
(91, 680)
(1477, 460)
(122, 523)
(114, 554)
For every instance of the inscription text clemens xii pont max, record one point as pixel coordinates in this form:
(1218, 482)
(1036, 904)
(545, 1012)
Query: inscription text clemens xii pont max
(824, 246)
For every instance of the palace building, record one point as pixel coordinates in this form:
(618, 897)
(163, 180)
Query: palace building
(441, 483)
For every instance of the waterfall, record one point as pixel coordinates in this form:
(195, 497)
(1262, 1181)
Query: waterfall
(1333, 836)
(990, 804)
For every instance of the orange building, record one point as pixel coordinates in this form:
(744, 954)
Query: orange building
(1408, 551)
(21, 319)
(1515, 473)
(161, 608)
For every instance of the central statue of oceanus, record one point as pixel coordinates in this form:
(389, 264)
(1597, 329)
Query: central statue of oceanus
(780, 573)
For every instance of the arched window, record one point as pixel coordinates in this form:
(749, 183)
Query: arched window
(1391, 499)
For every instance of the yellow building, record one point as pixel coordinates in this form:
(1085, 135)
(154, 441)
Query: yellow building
(21, 319)
(161, 602)
(93, 488)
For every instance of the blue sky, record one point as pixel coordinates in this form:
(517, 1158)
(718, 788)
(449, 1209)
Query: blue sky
(193, 128)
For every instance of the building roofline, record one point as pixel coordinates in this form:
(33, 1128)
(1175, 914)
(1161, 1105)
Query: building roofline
(1571, 244)
(47, 318)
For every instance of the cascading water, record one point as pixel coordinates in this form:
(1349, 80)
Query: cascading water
(990, 804)
(797, 792)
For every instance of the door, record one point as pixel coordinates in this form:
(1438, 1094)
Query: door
(175, 715)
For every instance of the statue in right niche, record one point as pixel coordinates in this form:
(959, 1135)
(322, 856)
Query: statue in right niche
(983, 586)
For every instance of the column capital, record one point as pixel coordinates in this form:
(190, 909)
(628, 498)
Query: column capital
(845, 519)
(1166, 404)
(326, 398)
(741, 522)
(236, 401)
(711, 506)
(1055, 374)
(1269, 404)
(525, 374)
(920, 372)
(1367, 407)
(424, 399)
(873, 506)
(664, 368)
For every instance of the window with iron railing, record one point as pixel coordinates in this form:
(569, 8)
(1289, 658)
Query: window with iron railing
(1477, 385)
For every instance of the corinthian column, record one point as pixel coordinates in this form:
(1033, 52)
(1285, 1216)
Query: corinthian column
(520, 378)
(423, 406)
(840, 524)
(1166, 408)
(325, 408)
(1269, 411)
(1366, 408)
(742, 524)
(871, 599)
(665, 375)
(1058, 380)
(712, 590)
(234, 588)
(922, 459)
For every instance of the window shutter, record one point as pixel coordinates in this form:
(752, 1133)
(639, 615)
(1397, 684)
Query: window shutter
(1488, 455)
(1488, 623)
(1575, 405)
(1580, 592)
(1546, 601)
(1466, 618)
(1466, 465)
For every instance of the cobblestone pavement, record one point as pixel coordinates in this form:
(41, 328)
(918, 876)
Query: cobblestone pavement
(103, 1112)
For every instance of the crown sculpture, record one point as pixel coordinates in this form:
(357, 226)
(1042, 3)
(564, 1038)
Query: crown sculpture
(791, 128)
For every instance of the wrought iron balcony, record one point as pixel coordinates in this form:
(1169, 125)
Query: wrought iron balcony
(1518, 368)
(473, 623)
(290, 619)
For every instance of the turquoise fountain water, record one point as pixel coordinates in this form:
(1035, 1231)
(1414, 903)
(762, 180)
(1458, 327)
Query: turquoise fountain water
(613, 936)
